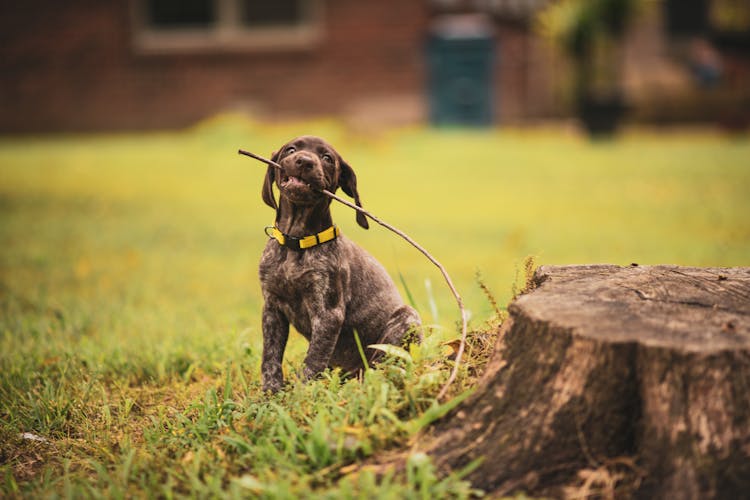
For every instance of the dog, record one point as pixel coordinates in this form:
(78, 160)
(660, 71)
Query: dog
(316, 279)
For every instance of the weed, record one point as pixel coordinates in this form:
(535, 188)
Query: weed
(487, 293)
(528, 283)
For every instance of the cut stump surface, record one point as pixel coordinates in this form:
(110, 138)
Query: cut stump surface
(634, 380)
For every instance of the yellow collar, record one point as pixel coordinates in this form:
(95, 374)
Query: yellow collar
(294, 243)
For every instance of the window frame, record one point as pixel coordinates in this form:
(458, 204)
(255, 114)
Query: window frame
(227, 33)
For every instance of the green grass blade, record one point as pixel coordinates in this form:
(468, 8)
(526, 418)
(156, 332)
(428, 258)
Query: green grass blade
(437, 411)
(409, 296)
(361, 351)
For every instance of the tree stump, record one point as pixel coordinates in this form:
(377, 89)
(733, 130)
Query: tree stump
(633, 380)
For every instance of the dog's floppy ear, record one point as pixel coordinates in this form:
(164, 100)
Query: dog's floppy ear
(268, 184)
(348, 182)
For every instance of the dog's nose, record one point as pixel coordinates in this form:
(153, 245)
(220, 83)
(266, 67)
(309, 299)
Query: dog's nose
(304, 162)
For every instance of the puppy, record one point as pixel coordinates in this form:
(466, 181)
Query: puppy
(316, 279)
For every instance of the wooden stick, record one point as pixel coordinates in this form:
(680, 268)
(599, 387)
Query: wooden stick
(416, 245)
(259, 158)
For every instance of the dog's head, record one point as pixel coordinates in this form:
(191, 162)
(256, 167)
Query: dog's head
(308, 165)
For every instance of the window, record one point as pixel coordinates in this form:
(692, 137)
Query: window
(205, 25)
(272, 13)
(177, 14)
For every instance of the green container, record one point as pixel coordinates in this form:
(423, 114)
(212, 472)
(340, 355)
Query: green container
(460, 64)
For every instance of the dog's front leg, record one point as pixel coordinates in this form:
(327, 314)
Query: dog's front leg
(326, 318)
(325, 335)
(275, 335)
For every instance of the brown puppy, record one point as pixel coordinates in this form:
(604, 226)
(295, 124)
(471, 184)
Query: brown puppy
(317, 280)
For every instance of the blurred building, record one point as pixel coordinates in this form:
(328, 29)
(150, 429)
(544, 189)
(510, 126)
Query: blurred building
(688, 61)
(81, 65)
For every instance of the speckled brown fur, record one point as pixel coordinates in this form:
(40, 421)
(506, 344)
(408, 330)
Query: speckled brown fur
(328, 291)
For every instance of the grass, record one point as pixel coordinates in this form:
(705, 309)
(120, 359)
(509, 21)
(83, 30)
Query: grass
(130, 307)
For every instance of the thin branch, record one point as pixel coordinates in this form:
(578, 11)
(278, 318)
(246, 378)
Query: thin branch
(416, 245)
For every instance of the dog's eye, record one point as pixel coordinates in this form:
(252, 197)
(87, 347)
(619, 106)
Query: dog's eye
(290, 150)
(328, 158)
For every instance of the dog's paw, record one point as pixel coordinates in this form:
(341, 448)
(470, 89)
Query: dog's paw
(309, 373)
(272, 386)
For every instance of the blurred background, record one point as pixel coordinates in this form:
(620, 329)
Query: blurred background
(93, 65)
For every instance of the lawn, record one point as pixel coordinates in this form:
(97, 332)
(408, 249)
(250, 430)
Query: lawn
(130, 306)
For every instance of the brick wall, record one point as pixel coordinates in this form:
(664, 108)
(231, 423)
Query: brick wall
(72, 66)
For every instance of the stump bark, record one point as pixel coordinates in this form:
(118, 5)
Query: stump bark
(633, 380)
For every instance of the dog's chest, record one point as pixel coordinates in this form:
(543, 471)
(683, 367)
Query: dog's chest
(290, 280)
(296, 280)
